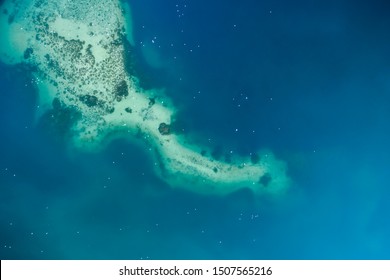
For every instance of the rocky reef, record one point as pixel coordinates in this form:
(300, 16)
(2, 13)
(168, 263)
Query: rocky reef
(78, 51)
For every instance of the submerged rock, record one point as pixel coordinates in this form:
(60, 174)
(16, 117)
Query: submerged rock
(89, 100)
(27, 53)
(59, 121)
(265, 180)
(164, 129)
(121, 89)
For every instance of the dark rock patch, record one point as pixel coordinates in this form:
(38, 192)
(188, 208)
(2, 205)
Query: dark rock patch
(121, 89)
(164, 129)
(265, 180)
(152, 101)
(89, 100)
(27, 53)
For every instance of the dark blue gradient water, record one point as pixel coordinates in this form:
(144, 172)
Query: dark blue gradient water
(309, 80)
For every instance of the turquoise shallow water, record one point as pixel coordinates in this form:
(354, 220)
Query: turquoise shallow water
(308, 80)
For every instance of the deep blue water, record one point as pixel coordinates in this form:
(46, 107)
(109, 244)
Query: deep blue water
(309, 80)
